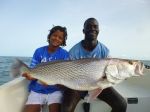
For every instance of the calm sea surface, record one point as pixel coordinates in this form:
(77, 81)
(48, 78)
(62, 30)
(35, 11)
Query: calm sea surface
(6, 62)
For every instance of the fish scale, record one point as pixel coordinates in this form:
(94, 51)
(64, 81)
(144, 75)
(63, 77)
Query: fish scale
(77, 73)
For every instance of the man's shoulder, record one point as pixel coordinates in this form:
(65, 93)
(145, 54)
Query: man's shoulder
(102, 46)
(104, 51)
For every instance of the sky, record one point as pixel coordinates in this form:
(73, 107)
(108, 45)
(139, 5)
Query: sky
(124, 25)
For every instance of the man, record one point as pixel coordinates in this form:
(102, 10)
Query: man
(90, 47)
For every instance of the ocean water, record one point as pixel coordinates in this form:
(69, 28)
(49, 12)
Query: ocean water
(6, 62)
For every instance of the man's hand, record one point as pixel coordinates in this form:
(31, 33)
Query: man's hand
(61, 86)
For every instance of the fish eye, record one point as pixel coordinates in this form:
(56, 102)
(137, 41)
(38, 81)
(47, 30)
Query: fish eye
(130, 62)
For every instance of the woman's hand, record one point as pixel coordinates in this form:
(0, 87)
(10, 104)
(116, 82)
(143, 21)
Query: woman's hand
(27, 76)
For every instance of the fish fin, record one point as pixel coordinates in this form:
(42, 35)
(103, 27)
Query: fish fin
(18, 68)
(92, 95)
(104, 83)
(112, 73)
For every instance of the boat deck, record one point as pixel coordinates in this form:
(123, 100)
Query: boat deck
(136, 91)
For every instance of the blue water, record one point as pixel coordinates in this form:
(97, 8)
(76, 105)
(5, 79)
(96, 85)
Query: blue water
(6, 62)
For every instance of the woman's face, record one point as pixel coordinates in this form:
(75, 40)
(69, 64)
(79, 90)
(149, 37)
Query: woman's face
(57, 38)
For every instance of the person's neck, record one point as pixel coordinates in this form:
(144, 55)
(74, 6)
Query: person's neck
(89, 45)
(52, 49)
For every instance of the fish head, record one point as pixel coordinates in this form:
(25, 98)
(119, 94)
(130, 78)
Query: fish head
(119, 70)
(131, 68)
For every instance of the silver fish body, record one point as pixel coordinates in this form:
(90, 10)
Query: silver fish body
(83, 74)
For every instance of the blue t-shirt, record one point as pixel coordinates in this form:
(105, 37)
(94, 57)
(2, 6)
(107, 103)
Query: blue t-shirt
(78, 52)
(42, 55)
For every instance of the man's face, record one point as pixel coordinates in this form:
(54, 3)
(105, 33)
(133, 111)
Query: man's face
(91, 30)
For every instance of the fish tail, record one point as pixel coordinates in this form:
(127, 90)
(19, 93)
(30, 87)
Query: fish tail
(18, 68)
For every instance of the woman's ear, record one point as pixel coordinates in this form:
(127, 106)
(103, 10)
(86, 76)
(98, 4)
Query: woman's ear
(48, 40)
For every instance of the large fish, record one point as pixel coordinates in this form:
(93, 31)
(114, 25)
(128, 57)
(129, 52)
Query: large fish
(91, 74)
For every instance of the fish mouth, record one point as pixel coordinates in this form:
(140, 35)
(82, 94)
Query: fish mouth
(139, 69)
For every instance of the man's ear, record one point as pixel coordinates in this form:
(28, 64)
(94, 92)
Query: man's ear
(83, 31)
